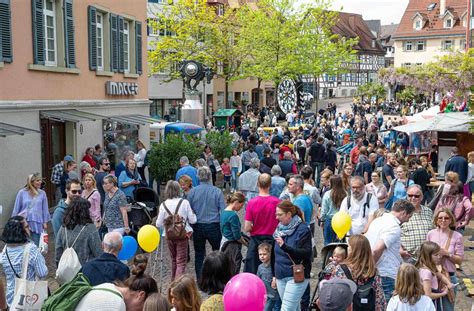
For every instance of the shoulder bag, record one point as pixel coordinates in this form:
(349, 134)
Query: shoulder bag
(29, 295)
(298, 271)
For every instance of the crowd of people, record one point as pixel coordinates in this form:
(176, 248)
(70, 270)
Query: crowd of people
(403, 249)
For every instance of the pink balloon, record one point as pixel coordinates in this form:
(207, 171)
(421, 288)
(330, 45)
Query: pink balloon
(245, 291)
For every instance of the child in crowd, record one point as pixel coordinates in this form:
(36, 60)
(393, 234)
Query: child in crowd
(264, 272)
(139, 259)
(428, 260)
(236, 168)
(226, 170)
(339, 254)
(408, 294)
(156, 302)
(231, 242)
(184, 295)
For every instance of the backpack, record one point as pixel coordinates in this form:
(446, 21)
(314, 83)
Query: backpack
(364, 297)
(68, 296)
(175, 228)
(69, 264)
(366, 204)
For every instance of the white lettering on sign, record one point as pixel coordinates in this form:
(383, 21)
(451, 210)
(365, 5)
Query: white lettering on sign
(121, 88)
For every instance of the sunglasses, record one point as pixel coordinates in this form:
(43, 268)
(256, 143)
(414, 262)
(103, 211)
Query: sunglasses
(106, 164)
(76, 191)
(414, 195)
(443, 218)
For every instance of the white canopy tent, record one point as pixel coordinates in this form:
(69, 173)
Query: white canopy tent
(442, 122)
(423, 115)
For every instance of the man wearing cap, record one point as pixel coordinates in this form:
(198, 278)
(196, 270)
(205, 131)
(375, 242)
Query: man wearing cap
(336, 294)
(56, 174)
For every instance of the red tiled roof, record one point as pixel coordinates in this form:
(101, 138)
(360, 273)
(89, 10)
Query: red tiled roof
(351, 25)
(434, 25)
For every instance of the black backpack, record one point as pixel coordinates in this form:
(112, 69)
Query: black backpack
(364, 297)
(366, 204)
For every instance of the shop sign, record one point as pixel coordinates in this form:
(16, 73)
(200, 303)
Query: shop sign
(121, 88)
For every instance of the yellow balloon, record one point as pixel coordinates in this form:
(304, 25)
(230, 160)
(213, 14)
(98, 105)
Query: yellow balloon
(341, 224)
(148, 238)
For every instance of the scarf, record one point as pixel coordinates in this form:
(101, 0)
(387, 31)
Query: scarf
(287, 230)
(131, 175)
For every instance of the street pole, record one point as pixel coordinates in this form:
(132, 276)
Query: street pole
(204, 103)
(468, 25)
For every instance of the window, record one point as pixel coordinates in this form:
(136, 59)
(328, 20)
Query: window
(115, 43)
(53, 33)
(448, 23)
(5, 32)
(100, 41)
(220, 67)
(420, 45)
(408, 46)
(406, 65)
(128, 137)
(220, 10)
(49, 13)
(126, 46)
(464, 22)
(447, 45)
(462, 44)
(417, 25)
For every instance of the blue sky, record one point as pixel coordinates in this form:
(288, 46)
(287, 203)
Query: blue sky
(388, 11)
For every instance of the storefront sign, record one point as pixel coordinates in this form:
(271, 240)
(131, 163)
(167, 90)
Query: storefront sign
(121, 88)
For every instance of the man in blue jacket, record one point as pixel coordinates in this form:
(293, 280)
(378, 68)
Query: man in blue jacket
(458, 164)
(107, 268)
(73, 191)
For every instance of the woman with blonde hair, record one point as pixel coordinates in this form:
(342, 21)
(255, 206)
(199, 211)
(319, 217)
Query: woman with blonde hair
(451, 244)
(184, 295)
(360, 267)
(186, 183)
(91, 194)
(408, 294)
(458, 204)
(32, 204)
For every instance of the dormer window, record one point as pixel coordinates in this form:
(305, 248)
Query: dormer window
(448, 23)
(417, 24)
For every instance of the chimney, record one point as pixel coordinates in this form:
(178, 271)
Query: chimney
(442, 7)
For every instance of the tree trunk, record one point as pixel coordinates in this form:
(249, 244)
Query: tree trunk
(259, 82)
(226, 92)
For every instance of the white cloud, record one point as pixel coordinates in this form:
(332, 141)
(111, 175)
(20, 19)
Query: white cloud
(388, 11)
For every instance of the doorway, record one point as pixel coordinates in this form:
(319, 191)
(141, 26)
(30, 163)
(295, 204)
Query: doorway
(53, 150)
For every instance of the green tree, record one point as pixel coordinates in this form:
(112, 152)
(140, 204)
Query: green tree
(220, 143)
(164, 157)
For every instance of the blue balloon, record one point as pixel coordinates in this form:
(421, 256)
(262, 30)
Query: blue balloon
(129, 248)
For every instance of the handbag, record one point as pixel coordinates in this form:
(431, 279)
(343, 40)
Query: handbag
(298, 271)
(217, 165)
(29, 295)
(441, 284)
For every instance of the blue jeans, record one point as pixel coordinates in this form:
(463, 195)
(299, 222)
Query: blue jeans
(234, 178)
(272, 304)
(319, 166)
(328, 233)
(388, 286)
(291, 293)
(201, 234)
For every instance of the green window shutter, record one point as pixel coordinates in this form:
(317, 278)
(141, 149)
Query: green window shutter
(120, 45)
(6, 49)
(114, 41)
(138, 47)
(38, 32)
(92, 36)
(70, 51)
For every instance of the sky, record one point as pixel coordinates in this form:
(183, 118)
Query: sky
(388, 11)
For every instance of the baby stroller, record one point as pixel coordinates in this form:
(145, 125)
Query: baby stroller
(143, 209)
(326, 253)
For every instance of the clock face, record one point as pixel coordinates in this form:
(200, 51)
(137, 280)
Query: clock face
(287, 95)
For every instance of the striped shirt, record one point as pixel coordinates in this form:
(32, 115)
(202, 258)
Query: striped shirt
(36, 266)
